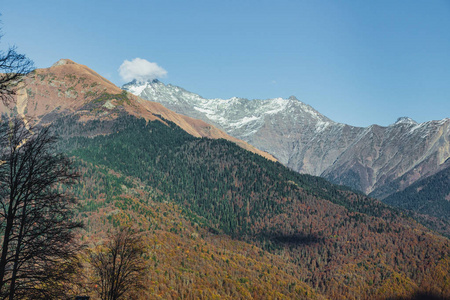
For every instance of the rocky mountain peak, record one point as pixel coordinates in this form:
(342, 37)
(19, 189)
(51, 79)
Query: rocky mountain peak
(136, 82)
(405, 120)
(63, 61)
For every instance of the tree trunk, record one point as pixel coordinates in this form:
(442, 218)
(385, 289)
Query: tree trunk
(12, 286)
(5, 247)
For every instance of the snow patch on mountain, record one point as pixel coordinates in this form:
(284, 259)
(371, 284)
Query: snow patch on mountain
(137, 89)
(244, 121)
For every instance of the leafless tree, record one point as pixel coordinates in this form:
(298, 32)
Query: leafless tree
(36, 227)
(119, 267)
(13, 67)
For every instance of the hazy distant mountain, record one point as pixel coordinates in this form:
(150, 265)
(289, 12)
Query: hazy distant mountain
(376, 160)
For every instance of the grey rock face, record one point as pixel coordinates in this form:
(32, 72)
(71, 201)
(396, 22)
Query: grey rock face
(376, 160)
(383, 160)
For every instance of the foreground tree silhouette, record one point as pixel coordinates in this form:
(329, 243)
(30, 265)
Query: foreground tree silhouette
(36, 227)
(13, 67)
(119, 266)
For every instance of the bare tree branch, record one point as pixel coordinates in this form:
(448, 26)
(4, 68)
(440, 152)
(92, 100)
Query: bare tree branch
(119, 267)
(36, 227)
(13, 67)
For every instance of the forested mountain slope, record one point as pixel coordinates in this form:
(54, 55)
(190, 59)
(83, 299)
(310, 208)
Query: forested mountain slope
(429, 196)
(343, 243)
(185, 259)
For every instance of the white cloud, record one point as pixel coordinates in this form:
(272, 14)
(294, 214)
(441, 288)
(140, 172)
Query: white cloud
(140, 69)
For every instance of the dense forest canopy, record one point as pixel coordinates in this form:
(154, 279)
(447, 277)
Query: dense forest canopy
(324, 229)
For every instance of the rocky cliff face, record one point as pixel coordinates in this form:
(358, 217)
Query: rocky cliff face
(383, 160)
(376, 160)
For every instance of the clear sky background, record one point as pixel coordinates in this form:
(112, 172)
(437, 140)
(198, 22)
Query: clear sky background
(357, 62)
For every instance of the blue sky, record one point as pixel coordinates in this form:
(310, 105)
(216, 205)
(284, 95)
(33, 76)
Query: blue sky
(357, 62)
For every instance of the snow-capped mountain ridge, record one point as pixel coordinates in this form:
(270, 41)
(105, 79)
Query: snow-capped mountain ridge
(237, 115)
(376, 159)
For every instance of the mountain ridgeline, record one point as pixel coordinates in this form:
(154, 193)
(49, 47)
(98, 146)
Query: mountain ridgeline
(68, 88)
(376, 160)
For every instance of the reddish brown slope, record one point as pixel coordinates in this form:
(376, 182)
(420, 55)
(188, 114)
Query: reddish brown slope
(71, 88)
